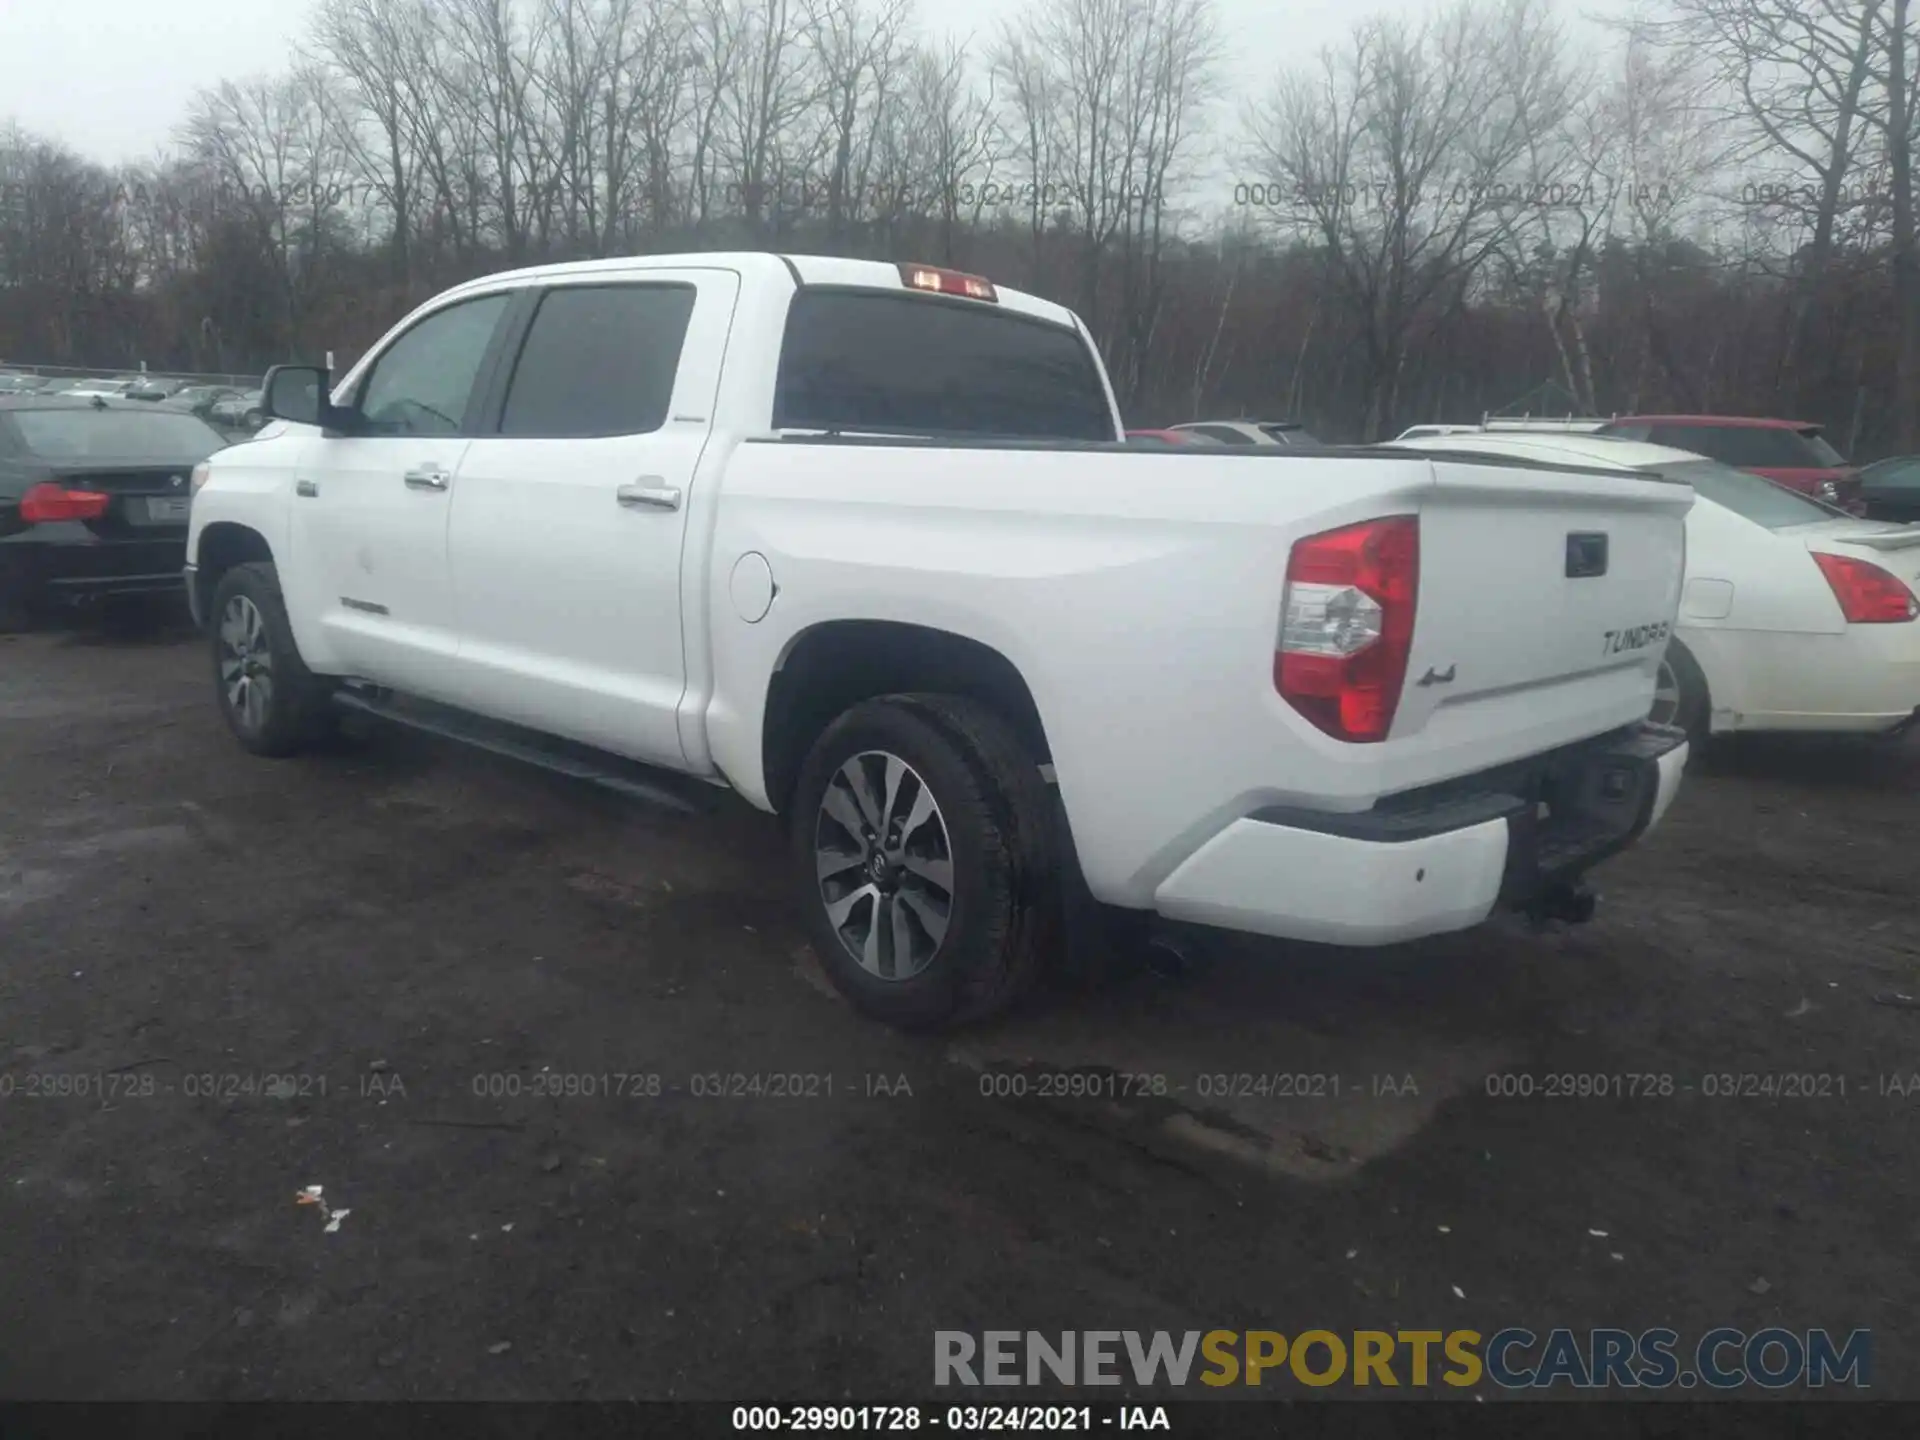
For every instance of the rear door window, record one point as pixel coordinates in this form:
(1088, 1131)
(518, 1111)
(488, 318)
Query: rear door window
(879, 362)
(599, 360)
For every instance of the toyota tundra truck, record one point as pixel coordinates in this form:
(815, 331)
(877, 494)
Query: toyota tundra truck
(865, 544)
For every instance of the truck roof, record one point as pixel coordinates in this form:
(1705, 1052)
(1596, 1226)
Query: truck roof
(770, 266)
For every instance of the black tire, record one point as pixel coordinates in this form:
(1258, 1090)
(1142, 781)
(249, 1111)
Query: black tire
(1694, 706)
(995, 816)
(294, 708)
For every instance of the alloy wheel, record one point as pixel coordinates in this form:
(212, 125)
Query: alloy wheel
(884, 860)
(246, 662)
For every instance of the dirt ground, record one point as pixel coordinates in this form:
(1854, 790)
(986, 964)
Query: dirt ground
(415, 940)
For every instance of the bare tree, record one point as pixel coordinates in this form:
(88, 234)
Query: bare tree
(1171, 80)
(274, 150)
(952, 127)
(1030, 91)
(861, 56)
(1897, 79)
(1104, 95)
(1402, 157)
(497, 52)
(773, 84)
(366, 42)
(1793, 74)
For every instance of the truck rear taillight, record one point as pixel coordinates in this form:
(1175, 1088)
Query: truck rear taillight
(1867, 594)
(1347, 629)
(46, 503)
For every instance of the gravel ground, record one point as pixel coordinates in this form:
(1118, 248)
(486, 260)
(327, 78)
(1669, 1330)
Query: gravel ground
(417, 939)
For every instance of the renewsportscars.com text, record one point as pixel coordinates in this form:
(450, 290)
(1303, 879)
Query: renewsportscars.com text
(1514, 1358)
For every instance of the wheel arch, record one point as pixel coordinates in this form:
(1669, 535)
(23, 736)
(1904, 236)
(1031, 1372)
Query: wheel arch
(223, 545)
(827, 668)
(1683, 657)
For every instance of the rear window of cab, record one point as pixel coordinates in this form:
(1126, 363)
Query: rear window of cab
(881, 362)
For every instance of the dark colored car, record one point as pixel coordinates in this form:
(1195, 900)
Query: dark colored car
(94, 499)
(1891, 488)
(1792, 453)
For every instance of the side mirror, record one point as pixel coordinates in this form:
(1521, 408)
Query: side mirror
(300, 393)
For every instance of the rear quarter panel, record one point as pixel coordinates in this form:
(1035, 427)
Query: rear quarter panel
(1138, 592)
(1745, 585)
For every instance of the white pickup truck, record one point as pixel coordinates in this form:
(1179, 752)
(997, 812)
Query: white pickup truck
(863, 543)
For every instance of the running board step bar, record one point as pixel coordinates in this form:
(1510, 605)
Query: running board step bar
(579, 762)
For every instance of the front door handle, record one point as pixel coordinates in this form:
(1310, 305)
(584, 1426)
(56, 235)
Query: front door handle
(649, 496)
(427, 477)
(305, 489)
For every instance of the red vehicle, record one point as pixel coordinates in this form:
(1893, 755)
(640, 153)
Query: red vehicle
(1792, 453)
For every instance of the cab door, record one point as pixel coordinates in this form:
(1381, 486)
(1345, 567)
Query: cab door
(370, 507)
(570, 508)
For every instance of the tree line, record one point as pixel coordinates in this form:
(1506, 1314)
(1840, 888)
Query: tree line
(1711, 210)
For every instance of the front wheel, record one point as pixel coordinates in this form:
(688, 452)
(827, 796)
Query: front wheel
(270, 700)
(923, 855)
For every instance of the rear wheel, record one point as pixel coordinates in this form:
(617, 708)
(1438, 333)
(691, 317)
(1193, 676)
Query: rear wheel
(1680, 694)
(273, 704)
(924, 859)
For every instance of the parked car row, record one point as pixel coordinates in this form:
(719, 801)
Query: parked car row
(234, 407)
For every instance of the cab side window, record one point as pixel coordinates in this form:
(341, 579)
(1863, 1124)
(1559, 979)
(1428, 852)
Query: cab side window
(423, 382)
(599, 360)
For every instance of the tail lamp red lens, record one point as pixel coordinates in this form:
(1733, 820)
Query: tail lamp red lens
(45, 503)
(1867, 594)
(1348, 626)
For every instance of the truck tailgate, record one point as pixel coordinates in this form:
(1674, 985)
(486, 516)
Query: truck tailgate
(1546, 598)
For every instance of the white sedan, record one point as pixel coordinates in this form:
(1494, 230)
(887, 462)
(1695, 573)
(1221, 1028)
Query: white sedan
(1794, 615)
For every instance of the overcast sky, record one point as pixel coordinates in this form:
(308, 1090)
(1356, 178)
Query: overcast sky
(113, 78)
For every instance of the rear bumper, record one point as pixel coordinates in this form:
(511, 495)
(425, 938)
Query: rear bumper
(1435, 860)
(1862, 680)
(57, 568)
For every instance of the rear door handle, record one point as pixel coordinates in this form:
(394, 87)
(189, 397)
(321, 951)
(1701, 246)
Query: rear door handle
(649, 496)
(306, 489)
(427, 477)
